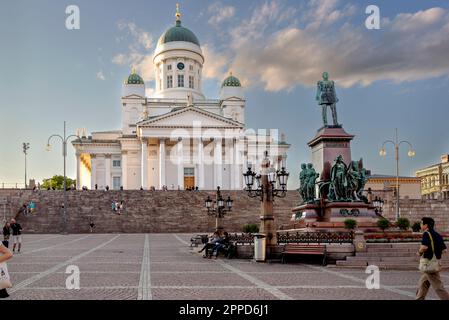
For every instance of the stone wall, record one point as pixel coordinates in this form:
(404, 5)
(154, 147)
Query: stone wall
(144, 211)
(415, 209)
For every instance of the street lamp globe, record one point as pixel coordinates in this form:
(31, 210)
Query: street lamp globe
(220, 202)
(249, 178)
(208, 202)
(229, 203)
(271, 175)
(411, 153)
(382, 152)
(282, 176)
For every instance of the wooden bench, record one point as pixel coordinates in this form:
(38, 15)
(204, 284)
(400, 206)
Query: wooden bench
(198, 239)
(304, 249)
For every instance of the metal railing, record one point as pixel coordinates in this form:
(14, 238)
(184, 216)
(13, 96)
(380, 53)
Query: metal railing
(315, 237)
(12, 185)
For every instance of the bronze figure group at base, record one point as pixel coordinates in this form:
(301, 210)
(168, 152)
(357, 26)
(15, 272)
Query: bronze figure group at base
(346, 183)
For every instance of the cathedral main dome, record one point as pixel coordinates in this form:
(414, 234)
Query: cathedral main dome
(178, 33)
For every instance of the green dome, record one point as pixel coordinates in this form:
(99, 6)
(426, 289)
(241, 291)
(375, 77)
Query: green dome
(231, 81)
(134, 78)
(178, 33)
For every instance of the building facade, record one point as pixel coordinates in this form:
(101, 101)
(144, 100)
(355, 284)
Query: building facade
(384, 186)
(177, 138)
(435, 179)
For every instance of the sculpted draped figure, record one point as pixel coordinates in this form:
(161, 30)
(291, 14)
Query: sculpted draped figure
(339, 183)
(307, 179)
(326, 96)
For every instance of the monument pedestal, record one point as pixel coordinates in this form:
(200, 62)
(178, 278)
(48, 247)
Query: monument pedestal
(330, 142)
(331, 216)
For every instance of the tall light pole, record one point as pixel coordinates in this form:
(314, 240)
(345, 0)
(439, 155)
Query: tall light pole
(269, 184)
(64, 140)
(25, 147)
(410, 153)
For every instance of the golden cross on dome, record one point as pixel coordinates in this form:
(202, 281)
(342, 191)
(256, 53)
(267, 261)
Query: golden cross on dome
(133, 70)
(178, 14)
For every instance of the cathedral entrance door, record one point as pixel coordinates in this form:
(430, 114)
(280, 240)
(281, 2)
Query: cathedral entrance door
(189, 178)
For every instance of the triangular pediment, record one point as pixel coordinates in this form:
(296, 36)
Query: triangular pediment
(133, 96)
(233, 98)
(188, 117)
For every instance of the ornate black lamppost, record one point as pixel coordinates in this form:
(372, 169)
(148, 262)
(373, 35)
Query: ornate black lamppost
(218, 208)
(270, 184)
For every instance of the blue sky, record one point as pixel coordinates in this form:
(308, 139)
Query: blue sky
(393, 77)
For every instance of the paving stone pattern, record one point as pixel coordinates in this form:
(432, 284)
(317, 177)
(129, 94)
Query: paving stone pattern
(164, 267)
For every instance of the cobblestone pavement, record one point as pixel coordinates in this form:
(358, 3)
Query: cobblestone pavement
(163, 266)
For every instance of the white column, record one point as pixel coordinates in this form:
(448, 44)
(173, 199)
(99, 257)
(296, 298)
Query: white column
(232, 163)
(125, 170)
(218, 163)
(107, 166)
(180, 155)
(93, 171)
(144, 165)
(200, 164)
(161, 163)
(78, 171)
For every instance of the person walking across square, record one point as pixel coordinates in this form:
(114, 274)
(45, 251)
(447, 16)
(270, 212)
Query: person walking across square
(431, 249)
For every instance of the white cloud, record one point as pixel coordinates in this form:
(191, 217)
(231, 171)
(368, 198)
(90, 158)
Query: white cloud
(100, 75)
(216, 63)
(139, 55)
(408, 22)
(282, 58)
(220, 13)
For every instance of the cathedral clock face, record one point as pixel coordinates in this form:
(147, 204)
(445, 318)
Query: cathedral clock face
(180, 66)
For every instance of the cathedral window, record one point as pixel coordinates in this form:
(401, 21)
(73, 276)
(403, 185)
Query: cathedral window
(169, 67)
(116, 163)
(191, 68)
(169, 81)
(180, 80)
(191, 82)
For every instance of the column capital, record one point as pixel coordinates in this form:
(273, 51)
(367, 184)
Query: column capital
(93, 155)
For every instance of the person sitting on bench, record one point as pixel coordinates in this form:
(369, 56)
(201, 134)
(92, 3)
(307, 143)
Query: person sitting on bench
(220, 245)
(211, 244)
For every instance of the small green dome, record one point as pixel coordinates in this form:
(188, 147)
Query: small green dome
(178, 33)
(134, 78)
(231, 81)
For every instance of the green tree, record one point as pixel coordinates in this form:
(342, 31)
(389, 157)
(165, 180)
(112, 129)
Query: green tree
(58, 183)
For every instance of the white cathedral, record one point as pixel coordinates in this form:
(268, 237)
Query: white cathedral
(177, 138)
